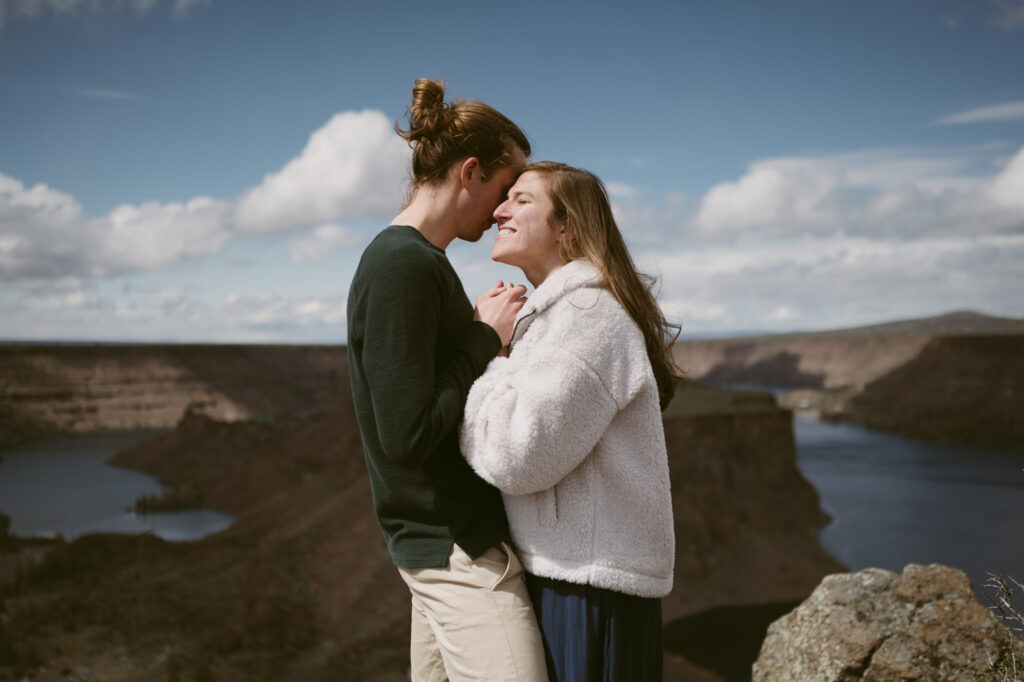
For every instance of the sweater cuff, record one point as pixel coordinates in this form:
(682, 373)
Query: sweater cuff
(482, 343)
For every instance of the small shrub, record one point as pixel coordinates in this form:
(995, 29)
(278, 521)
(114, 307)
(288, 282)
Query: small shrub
(1009, 666)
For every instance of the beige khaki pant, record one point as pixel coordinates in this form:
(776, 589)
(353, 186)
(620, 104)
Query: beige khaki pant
(473, 620)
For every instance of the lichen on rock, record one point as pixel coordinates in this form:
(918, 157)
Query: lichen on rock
(880, 626)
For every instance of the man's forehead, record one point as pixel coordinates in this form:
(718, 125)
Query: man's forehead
(518, 159)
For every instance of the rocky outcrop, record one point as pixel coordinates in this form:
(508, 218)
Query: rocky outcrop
(923, 624)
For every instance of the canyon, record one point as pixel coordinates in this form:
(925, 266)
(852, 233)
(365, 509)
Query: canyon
(301, 586)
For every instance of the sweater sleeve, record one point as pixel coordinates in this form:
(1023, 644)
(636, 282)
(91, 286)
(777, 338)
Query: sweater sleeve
(534, 417)
(415, 403)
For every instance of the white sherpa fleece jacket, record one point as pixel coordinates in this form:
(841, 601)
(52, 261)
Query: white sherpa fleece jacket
(569, 428)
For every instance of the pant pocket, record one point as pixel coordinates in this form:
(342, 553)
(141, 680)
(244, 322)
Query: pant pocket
(509, 562)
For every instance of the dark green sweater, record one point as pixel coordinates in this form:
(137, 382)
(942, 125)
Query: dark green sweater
(414, 350)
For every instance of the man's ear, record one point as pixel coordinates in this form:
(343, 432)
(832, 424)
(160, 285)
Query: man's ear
(467, 169)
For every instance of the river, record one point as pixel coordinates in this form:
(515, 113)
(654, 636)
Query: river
(893, 500)
(62, 485)
(896, 501)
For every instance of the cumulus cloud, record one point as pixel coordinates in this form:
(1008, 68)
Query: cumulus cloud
(353, 165)
(271, 309)
(169, 314)
(154, 235)
(319, 244)
(1007, 111)
(784, 195)
(795, 242)
(822, 242)
(823, 282)
(43, 234)
(885, 193)
(1008, 188)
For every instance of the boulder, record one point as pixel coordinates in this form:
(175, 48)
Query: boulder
(925, 624)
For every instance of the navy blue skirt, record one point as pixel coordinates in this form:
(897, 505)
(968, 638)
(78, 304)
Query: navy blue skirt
(596, 635)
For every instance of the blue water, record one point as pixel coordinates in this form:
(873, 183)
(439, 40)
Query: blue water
(896, 501)
(62, 486)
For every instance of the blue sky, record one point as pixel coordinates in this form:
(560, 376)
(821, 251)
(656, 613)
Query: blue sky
(189, 170)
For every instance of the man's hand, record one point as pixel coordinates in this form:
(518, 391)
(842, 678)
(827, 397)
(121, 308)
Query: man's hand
(499, 306)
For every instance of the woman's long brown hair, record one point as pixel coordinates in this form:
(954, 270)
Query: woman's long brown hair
(581, 206)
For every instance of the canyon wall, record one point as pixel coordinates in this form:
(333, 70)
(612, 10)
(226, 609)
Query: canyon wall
(957, 387)
(72, 388)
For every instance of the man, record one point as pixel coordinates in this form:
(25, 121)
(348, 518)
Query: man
(416, 345)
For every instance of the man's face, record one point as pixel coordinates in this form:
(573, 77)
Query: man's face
(488, 195)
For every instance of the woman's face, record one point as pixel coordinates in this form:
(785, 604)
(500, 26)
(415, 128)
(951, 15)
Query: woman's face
(525, 238)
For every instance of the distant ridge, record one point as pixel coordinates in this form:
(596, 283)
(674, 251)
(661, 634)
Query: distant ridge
(956, 323)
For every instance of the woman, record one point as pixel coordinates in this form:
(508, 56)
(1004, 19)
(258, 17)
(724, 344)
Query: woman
(568, 427)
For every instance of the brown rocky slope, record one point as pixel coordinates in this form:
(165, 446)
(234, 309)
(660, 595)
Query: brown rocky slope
(956, 377)
(301, 587)
(78, 388)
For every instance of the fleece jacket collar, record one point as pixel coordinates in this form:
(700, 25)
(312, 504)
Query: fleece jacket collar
(578, 274)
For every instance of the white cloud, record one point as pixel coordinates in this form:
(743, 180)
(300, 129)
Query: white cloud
(620, 190)
(352, 166)
(44, 237)
(886, 193)
(824, 242)
(783, 313)
(1010, 15)
(38, 235)
(156, 235)
(783, 195)
(319, 244)
(94, 93)
(182, 7)
(79, 310)
(271, 309)
(1000, 112)
(1008, 187)
(798, 242)
(32, 9)
(834, 281)
(646, 219)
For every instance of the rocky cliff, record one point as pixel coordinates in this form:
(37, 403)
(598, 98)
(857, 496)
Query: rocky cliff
(301, 586)
(92, 387)
(958, 377)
